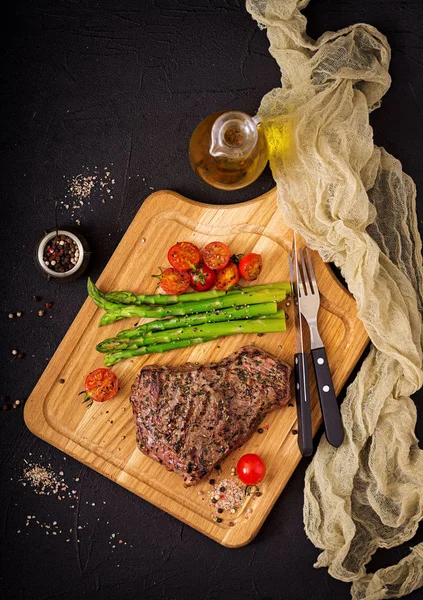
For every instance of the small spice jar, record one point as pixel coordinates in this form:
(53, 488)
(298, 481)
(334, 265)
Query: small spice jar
(62, 254)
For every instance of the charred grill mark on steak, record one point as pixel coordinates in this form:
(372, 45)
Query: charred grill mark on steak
(189, 418)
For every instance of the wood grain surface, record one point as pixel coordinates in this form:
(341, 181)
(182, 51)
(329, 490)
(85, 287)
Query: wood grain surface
(103, 436)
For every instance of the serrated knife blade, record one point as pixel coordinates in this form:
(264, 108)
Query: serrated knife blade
(302, 386)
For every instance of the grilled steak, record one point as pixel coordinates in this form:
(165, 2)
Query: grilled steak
(189, 418)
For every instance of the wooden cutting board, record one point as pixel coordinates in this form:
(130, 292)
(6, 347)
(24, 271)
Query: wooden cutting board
(103, 436)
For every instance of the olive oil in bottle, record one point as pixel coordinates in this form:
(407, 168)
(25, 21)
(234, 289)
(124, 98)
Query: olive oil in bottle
(228, 150)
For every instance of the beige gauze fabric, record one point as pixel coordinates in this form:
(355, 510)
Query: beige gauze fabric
(352, 203)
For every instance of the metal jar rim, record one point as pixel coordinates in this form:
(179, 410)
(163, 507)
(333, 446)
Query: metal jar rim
(43, 244)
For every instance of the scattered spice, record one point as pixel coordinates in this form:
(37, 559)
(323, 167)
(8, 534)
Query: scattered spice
(49, 304)
(61, 380)
(212, 482)
(36, 298)
(19, 314)
(44, 481)
(82, 188)
(14, 352)
(21, 355)
(230, 498)
(290, 404)
(41, 313)
(259, 430)
(11, 315)
(294, 432)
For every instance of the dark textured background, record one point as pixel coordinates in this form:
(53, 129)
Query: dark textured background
(122, 84)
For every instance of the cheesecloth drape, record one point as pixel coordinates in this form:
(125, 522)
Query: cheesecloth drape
(351, 201)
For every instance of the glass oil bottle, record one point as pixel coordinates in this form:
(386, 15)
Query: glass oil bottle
(228, 150)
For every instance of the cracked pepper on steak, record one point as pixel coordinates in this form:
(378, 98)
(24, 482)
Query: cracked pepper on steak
(189, 418)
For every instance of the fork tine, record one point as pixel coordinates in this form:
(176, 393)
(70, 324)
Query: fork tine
(300, 284)
(304, 277)
(311, 271)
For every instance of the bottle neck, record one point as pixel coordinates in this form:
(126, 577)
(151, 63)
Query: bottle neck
(234, 135)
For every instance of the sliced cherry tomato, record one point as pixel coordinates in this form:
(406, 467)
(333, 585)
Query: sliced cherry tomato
(216, 255)
(202, 278)
(174, 282)
(251, 469)
(227, 277)
(183, 256)
(100, 385)
(250, 266)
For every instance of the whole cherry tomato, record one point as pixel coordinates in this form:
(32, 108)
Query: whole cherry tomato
(202, 278)
(251, 469)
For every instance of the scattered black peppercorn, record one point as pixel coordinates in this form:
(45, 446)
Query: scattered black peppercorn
(61, 380)
(213, 500)
(218, 520)
(222, 489)
(258, 494)
(211, 482)
(220, 510)
(294, 432)
(218, 468)
(21, 355)
(260, 430)
(290, 404)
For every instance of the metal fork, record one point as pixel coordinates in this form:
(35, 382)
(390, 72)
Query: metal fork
(310, 304)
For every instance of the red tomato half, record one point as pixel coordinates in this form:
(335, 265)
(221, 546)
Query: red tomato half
(183, 256)
(174, 282)
(250, 266)
(227, 277)
(216, 255)
(101, 385)
(251, 469)
(202, 278)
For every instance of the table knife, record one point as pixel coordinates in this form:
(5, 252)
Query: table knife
(302, 387)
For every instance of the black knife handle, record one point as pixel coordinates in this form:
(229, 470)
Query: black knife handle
(328, 402)
(302, 394)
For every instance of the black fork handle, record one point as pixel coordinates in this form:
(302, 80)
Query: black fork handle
(302, 394)
(328, 402)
